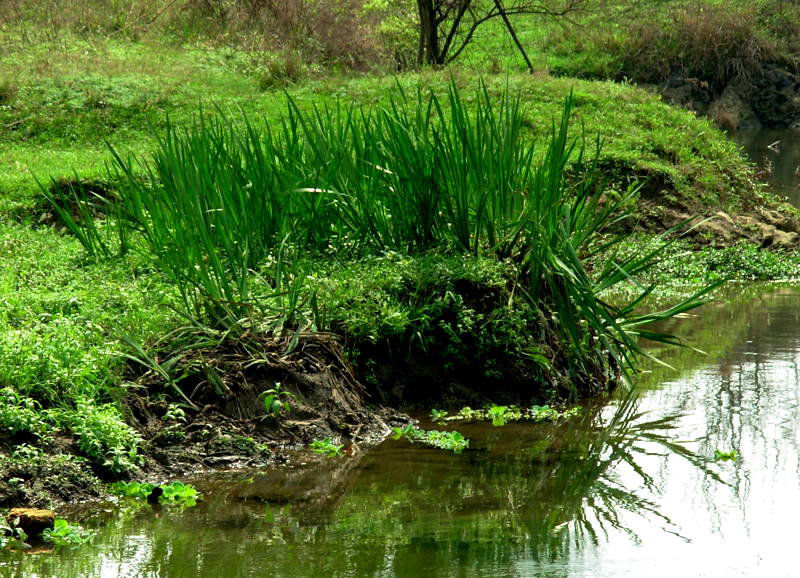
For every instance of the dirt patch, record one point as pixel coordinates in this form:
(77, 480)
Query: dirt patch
(41, 480)
(760, 218)
(767, 226)
(230, 424)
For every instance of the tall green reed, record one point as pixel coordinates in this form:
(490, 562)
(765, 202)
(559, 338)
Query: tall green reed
(457, 174)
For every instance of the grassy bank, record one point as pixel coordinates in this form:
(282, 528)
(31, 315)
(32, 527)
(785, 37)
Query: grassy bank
(427, 262)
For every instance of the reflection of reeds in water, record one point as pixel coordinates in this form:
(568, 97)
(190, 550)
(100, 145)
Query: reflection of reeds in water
(402, 510)
(557, 494)
(599, 497)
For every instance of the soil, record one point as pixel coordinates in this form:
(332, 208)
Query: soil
(765, 226)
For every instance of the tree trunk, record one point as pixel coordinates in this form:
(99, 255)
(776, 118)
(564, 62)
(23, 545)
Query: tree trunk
(428, 33)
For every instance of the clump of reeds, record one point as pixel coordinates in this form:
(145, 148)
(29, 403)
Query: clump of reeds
(218, 199)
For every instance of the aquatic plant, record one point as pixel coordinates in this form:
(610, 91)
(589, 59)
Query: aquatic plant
(445, 440)
(132, 489)
(438, 415)
(721, 456)
(500, 414)
(177, 493)
(65, 534)
(326, 447)
(12, 536)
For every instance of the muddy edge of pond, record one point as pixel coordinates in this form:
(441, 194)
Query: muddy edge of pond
(227, 431)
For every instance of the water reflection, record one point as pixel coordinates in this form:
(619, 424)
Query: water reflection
(630, 490)
(533, 494)
(777, 153)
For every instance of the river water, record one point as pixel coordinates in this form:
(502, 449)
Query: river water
(777, 153)
(632, 489)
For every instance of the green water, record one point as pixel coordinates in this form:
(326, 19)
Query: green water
(628, 491)
(777, 153)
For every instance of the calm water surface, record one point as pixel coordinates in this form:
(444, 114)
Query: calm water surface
(777, 151)
(628, 491)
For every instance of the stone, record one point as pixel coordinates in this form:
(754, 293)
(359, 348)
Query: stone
(31, 520)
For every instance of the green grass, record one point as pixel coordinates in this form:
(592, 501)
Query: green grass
(72, 91)
(456, 174)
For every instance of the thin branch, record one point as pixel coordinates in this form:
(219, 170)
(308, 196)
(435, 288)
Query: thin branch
(513, 34)
(454, 28)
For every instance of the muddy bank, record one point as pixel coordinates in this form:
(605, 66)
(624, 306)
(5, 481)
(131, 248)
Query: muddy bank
(767, 227)
(768, 98)
(224, 424)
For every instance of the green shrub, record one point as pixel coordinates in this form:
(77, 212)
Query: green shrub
(281, 71)
(103, 436)
(452, 175)
(712, 42)
(54, 359)
(8, 91)
(21, 414)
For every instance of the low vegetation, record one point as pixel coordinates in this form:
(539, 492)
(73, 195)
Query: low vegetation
(443, 440)
(459, 234)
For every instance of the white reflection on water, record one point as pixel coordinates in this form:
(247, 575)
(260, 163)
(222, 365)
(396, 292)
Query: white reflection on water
(749, 402)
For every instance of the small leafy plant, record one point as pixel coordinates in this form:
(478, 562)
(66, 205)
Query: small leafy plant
(179, 493)
(720, 456)
(12, 536)
(103, 436)
(444, 440)
(276, 400)
(438, 415)
(326, 447)
(65, 534)
(172, 493)
(175, 413)
(498, 414)
(21, 414)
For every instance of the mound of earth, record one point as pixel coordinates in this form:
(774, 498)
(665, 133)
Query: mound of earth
(227, 424)
(230, 424)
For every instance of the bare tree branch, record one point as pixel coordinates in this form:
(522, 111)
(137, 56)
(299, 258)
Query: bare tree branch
(448, 26)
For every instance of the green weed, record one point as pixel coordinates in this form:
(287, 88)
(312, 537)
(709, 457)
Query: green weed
(326, 447)
(498, 414)
(449, 440)
(12, 536)
(721, 456)
(64, 534)
(175, 413)
(177, 493)
(277, 401)
(501, 414)
(21, 414)
(103, 436)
